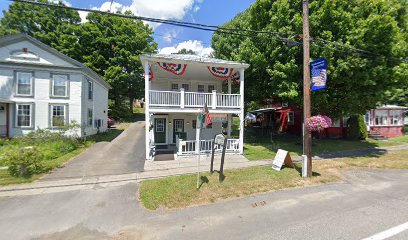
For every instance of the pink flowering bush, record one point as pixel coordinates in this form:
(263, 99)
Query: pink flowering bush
(317, 123)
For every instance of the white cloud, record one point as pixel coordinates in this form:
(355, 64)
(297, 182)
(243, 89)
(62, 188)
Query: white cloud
(195, 45)
(170, 34)
(163, 9)
(107, 6)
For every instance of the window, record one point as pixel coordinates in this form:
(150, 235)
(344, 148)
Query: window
(395, 117)
(90, 90)
(60, 85)
(291, 118)
(58, 116)
(24, 83)
(381, 117)
(200, 88)
(160, 125)
(98, 123)
(174, 87)
(185, 86)
(194, 124)
(211, 88)
(23, 115)
(90, 117)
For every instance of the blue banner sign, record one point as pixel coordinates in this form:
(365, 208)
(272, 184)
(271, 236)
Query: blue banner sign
(318, 70)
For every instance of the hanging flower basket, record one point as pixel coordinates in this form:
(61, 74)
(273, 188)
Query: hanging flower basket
(317, 123)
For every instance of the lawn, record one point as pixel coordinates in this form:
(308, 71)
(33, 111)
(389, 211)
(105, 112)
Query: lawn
(180, 191)
(55, 151)
(260, 148)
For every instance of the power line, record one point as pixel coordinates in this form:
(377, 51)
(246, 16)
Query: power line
(275, 36)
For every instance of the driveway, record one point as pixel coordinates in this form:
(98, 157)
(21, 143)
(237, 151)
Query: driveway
(125, 154)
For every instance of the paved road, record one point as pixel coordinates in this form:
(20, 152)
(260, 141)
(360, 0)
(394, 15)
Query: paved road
(366, 203)
(125, 154)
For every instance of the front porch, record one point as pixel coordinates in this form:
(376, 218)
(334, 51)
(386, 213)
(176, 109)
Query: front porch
(4, 119)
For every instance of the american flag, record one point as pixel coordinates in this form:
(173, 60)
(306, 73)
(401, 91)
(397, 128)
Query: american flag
(207, 115)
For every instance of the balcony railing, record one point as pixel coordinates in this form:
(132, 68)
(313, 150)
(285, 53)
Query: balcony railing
(189, 147)
(193, 99)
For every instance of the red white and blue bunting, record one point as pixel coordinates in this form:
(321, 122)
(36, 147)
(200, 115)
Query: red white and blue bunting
(151, 75)
(234, 77)
(174, 68)
(221, 72)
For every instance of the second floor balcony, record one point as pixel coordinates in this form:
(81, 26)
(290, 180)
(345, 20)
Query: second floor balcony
(182, 99)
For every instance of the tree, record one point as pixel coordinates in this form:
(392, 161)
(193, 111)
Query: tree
(185, 51)
(56, 27)
(357, 81)
(108, 45)
(111, 46)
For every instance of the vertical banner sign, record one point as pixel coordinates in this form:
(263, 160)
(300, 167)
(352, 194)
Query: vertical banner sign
(318, 70)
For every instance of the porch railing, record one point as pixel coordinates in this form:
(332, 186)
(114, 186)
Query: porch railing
(184, 99)
(189, 147)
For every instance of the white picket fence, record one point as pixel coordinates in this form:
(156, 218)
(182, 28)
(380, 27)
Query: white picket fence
(193, 99)
(189, 147)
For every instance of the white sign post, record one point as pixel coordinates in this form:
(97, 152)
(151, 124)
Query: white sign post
(198, 154)
(282, 157)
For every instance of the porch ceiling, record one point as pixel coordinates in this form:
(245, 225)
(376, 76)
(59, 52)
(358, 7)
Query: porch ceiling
(4, 100)
(197, 66)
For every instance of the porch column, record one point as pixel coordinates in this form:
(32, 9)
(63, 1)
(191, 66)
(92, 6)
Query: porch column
(229, 116)
(147, 113)
(241, 115)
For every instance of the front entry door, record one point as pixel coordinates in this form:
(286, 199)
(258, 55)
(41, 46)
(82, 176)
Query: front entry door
(178, 128)
(160, 130)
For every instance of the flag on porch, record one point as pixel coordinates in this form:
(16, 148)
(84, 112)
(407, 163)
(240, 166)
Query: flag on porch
(204, 117)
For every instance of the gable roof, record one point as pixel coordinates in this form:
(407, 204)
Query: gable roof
(14, 38)
(188, 58)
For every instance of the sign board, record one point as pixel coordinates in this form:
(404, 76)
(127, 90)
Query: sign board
(318, 70)
(219, 139)
(282, 157)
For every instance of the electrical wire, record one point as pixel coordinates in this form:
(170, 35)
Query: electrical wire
(276, 36)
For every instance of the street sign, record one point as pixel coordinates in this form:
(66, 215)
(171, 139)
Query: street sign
(219, 139)
(318, 71)
(282, 157)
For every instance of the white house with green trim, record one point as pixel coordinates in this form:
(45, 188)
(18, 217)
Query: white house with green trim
(176, 88)
(43, 88)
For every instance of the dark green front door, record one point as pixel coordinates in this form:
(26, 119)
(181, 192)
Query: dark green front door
(159, 130)
(178, 128)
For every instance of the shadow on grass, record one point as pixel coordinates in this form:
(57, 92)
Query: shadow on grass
(298, 168)
(322, 147)
(107, 136)
(203, 179)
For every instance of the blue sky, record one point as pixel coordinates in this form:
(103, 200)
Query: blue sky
(171, 38)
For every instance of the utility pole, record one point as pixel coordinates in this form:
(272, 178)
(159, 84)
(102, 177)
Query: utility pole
(307, 140)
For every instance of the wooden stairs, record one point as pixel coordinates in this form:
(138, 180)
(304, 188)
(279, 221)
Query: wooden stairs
(376, 135)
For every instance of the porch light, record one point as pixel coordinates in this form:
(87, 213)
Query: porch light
(169, 122)
(188, 122)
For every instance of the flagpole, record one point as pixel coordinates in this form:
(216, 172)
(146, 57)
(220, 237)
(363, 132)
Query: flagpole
(198, 131)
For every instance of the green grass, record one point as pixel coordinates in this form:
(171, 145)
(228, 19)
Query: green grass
(260, 148)
(180, 191)
(51, 150)
(403, 139)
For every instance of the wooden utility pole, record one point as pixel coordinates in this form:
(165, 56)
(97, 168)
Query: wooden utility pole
(307, 140)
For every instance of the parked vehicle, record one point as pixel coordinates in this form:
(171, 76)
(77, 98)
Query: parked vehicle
(111, 122)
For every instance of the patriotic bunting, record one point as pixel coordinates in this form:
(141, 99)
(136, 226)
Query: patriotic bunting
(174, 68)
(151, 75)
(221, 72)
(234, 77)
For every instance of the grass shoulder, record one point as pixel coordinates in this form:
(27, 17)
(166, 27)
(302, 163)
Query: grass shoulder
(180, 191)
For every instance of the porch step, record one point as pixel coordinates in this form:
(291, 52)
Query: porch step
(377, 136)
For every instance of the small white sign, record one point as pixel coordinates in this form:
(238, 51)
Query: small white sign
(282, 156)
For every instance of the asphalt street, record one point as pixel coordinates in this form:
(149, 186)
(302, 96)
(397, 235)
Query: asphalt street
(366, 203)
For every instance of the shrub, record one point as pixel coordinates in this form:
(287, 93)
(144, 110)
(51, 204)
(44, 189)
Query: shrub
(357, 128)
(25, 163)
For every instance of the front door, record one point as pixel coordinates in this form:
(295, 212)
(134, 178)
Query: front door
(160, 130)
(178, 128)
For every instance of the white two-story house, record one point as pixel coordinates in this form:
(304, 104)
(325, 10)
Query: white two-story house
(42, 88)
(176, 88)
